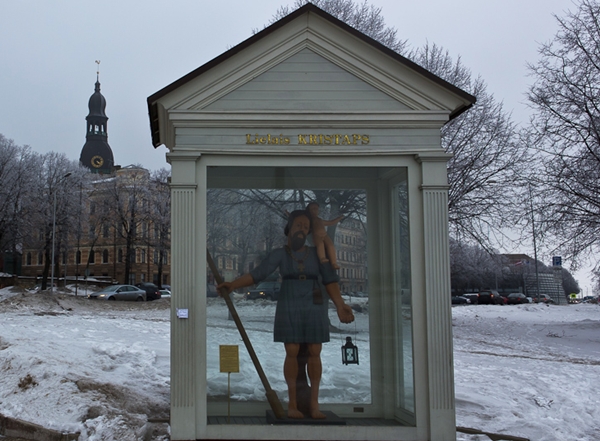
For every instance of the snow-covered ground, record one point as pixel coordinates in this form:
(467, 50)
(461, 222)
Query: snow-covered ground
(102, 368)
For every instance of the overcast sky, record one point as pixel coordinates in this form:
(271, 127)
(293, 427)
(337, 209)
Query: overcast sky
(48, 51)
(49, 48)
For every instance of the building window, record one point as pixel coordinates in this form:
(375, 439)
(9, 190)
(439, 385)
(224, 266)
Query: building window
(142, 256)
(120, 255)
(132, 278)
(105, 256)
(64, 258)
(28, 259)
(78, 257)
(40, 259)
(92, 257)
(105, 230)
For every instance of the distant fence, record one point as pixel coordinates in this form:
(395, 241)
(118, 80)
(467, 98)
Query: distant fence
(30, 281)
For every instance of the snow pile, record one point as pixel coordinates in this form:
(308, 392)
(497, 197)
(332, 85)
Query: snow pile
(78, 365)
(102, 368)
(528, 370)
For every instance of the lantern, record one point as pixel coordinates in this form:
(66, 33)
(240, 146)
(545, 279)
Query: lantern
(349, 352)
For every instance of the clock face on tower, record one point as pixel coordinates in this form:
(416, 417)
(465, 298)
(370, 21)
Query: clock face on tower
(97, 161)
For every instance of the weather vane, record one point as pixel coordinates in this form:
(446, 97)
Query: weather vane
(98, 69)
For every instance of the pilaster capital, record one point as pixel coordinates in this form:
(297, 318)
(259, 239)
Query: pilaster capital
(432, 157)
(183, 186)
(183, 155)
(434, 187)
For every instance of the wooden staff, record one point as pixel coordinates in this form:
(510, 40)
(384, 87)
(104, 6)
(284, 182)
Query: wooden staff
(272, 397)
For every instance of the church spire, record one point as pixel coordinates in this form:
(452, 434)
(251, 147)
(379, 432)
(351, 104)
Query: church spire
(96, 153)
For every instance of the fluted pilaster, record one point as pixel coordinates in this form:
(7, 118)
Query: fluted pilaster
(183, 275)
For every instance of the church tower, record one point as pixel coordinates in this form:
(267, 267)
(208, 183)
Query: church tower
(96, 153)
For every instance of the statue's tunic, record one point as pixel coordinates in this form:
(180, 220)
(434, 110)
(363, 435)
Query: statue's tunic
(301, 315)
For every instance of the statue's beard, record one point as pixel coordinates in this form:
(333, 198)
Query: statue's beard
(298, 240)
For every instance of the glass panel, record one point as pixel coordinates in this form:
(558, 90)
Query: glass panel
(245, 225)
(246, 213)
(403, 322)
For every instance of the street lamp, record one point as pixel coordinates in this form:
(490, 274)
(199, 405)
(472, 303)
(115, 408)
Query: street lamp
(54, 231)
(537, 274)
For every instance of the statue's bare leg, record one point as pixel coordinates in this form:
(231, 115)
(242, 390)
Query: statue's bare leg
(315, 370)
(320, 246)
(328, 243)
(290, 372)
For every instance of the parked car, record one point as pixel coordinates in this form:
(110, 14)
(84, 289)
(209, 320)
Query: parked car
(165, 294)
(543, 298)
(49, 285)
(152, 291)
(358, 294)
(264, 290)
(119, 292)
(517, 298)
(490, 297)
(473, 297)
(460, 300)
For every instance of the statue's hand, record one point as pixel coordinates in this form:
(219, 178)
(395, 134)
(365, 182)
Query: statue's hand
(345, 314)
(225, 285)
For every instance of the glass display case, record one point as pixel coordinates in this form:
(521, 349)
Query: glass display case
(245, 215)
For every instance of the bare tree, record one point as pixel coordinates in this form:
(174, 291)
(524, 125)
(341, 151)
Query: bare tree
(565, 130)
(473, 268)
(52, 206)
(126, 199)
(160, 218)
(333, 203)
(17, 174)
(488, 160)
(486, 153)
(242, 223)
(365, 18)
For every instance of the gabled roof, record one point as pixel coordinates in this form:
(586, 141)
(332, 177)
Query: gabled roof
(309, 7)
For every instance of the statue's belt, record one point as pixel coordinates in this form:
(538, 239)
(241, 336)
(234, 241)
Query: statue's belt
(300, 277)
(317, 295)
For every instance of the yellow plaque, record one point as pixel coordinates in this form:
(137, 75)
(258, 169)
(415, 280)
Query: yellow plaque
(229, 358)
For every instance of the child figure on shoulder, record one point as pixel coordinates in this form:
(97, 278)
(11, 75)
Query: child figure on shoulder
(323, 243)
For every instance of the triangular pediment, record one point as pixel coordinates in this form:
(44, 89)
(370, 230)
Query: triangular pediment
(306, 81)
(307, 62)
